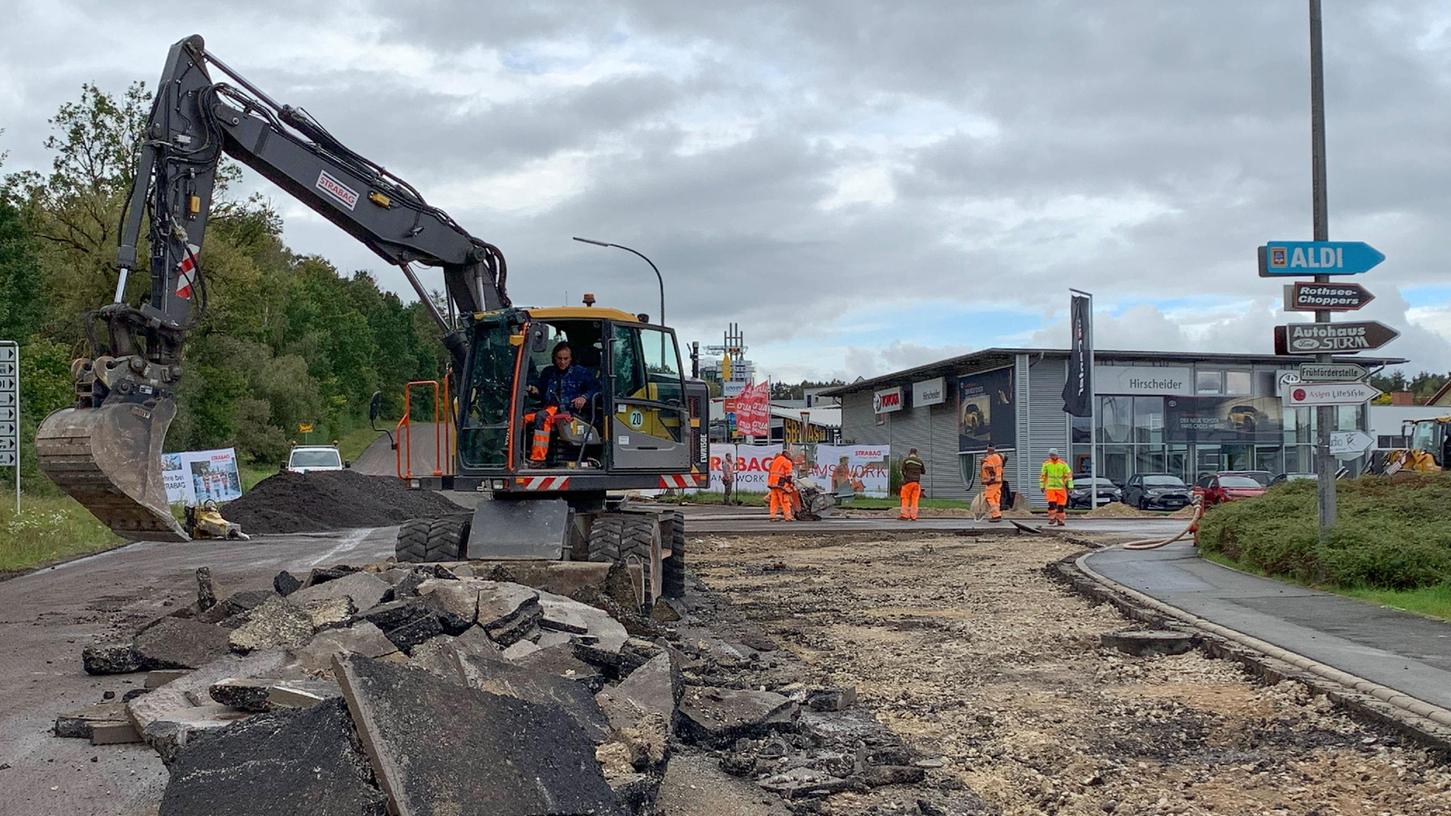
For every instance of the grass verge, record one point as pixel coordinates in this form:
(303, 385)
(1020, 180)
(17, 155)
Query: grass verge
(48, 529)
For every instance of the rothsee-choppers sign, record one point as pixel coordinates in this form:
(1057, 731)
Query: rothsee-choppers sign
(1304, 296)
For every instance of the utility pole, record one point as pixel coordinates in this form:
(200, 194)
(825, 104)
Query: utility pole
(1325, 464)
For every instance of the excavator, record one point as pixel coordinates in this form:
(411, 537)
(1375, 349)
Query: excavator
(1429, 449)
(643, 429)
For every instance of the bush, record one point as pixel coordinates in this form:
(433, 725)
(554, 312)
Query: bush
(1389, 533)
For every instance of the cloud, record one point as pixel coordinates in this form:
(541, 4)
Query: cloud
(808, 169)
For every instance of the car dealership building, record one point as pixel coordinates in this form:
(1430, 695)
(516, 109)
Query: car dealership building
(1157, 412)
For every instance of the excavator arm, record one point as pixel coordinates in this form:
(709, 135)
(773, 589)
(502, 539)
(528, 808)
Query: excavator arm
(106, 450)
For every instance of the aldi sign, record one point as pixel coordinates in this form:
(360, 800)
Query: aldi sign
(887, 401)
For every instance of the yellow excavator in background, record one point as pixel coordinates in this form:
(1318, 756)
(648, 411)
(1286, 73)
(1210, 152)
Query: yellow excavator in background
(1429, 447)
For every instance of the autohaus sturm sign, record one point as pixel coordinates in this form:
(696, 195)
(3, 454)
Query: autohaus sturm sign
(887, 401)
(1317, 338)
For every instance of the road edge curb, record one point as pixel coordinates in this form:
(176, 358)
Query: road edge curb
(1369, 702)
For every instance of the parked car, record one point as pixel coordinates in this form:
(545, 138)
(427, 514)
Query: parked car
(1105, 492)
(1218, 488)
(1292, 477)
(1261, 476)
(1156, 491)
(309, 458)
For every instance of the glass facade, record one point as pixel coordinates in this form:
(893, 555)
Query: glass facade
(1232, 420)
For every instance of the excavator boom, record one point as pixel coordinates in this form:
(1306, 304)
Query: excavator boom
(106, 450)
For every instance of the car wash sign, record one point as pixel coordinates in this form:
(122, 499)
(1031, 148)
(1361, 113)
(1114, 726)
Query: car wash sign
(887, 400)
(1295, 258)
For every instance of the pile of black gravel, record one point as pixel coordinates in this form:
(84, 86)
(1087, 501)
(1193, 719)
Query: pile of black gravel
(332, 500)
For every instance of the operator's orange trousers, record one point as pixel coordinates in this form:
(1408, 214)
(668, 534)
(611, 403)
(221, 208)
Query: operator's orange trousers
(911, 494)
(992, 494)
(539, 442)
(781, 504)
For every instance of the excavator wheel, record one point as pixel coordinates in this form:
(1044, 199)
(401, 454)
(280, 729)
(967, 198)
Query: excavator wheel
(672, 572)
(615, 537)
(412, 546)
(428, 540)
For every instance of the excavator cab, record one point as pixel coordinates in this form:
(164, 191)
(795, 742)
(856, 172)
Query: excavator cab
(642, 425)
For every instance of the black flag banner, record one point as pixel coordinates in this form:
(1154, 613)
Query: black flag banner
(1078, 391)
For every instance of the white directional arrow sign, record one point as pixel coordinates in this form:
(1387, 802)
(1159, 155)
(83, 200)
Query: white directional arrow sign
(1306, 394)
(7, 369)
(1350, 444)
(7, 414)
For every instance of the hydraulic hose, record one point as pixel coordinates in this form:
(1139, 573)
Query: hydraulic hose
(1156, 543)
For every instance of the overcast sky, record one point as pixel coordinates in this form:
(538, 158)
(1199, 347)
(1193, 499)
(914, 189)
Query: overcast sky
(863, 186)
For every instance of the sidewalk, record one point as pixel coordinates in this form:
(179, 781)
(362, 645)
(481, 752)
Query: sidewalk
(1408, 653)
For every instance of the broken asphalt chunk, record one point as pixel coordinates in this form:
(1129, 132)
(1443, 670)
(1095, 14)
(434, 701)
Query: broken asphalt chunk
(469, 751)
(174, 643)
(717, 716)
(77, 724)
(110, 658)
(362, 638)
(364, 589)
(277, 623)
(295, 762)
(257, 694)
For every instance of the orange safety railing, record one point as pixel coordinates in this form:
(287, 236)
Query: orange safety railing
(443, 442)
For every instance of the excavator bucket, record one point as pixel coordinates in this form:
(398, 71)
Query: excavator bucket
(109, 460)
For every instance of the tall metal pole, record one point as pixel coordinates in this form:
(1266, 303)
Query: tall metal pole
(1325, 414)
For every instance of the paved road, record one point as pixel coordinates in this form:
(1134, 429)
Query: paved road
(47, 617)
(1406, 652)
(380, 459)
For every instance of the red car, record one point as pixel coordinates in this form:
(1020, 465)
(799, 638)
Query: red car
(1217, 488)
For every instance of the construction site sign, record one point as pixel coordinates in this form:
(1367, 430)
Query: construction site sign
(10, 407)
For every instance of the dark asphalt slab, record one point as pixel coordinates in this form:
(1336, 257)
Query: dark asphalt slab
(1405, 652)
(48, 617)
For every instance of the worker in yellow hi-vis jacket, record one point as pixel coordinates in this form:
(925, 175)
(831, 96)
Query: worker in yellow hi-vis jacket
(1056, 479)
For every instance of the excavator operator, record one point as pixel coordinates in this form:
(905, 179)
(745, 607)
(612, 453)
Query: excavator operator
(563, 388)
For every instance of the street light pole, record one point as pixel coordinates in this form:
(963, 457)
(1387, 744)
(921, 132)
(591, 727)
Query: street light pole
(642, 257)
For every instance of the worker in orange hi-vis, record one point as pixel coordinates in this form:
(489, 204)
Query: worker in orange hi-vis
(1056, 479)
(990, 473)
(912, 470)
(780, 475)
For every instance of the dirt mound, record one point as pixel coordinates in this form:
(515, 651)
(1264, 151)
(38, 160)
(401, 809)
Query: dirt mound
(333, 500)
(1115, 510)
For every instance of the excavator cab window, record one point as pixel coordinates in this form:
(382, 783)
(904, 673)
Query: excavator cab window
(648, 386)
(488, 388)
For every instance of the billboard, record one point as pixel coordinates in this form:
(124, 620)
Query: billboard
(193, 477)
(753, 410)
(929, 392)
(1223, 419)
(887, 401)
(985, 411)
(859, 470)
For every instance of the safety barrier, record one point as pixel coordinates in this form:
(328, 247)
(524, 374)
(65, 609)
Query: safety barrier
(443, 441)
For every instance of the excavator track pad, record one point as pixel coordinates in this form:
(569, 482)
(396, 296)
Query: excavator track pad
(109, 460)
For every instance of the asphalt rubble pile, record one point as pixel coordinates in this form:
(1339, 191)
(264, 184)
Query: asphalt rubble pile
(452, 688)
(332, 500)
